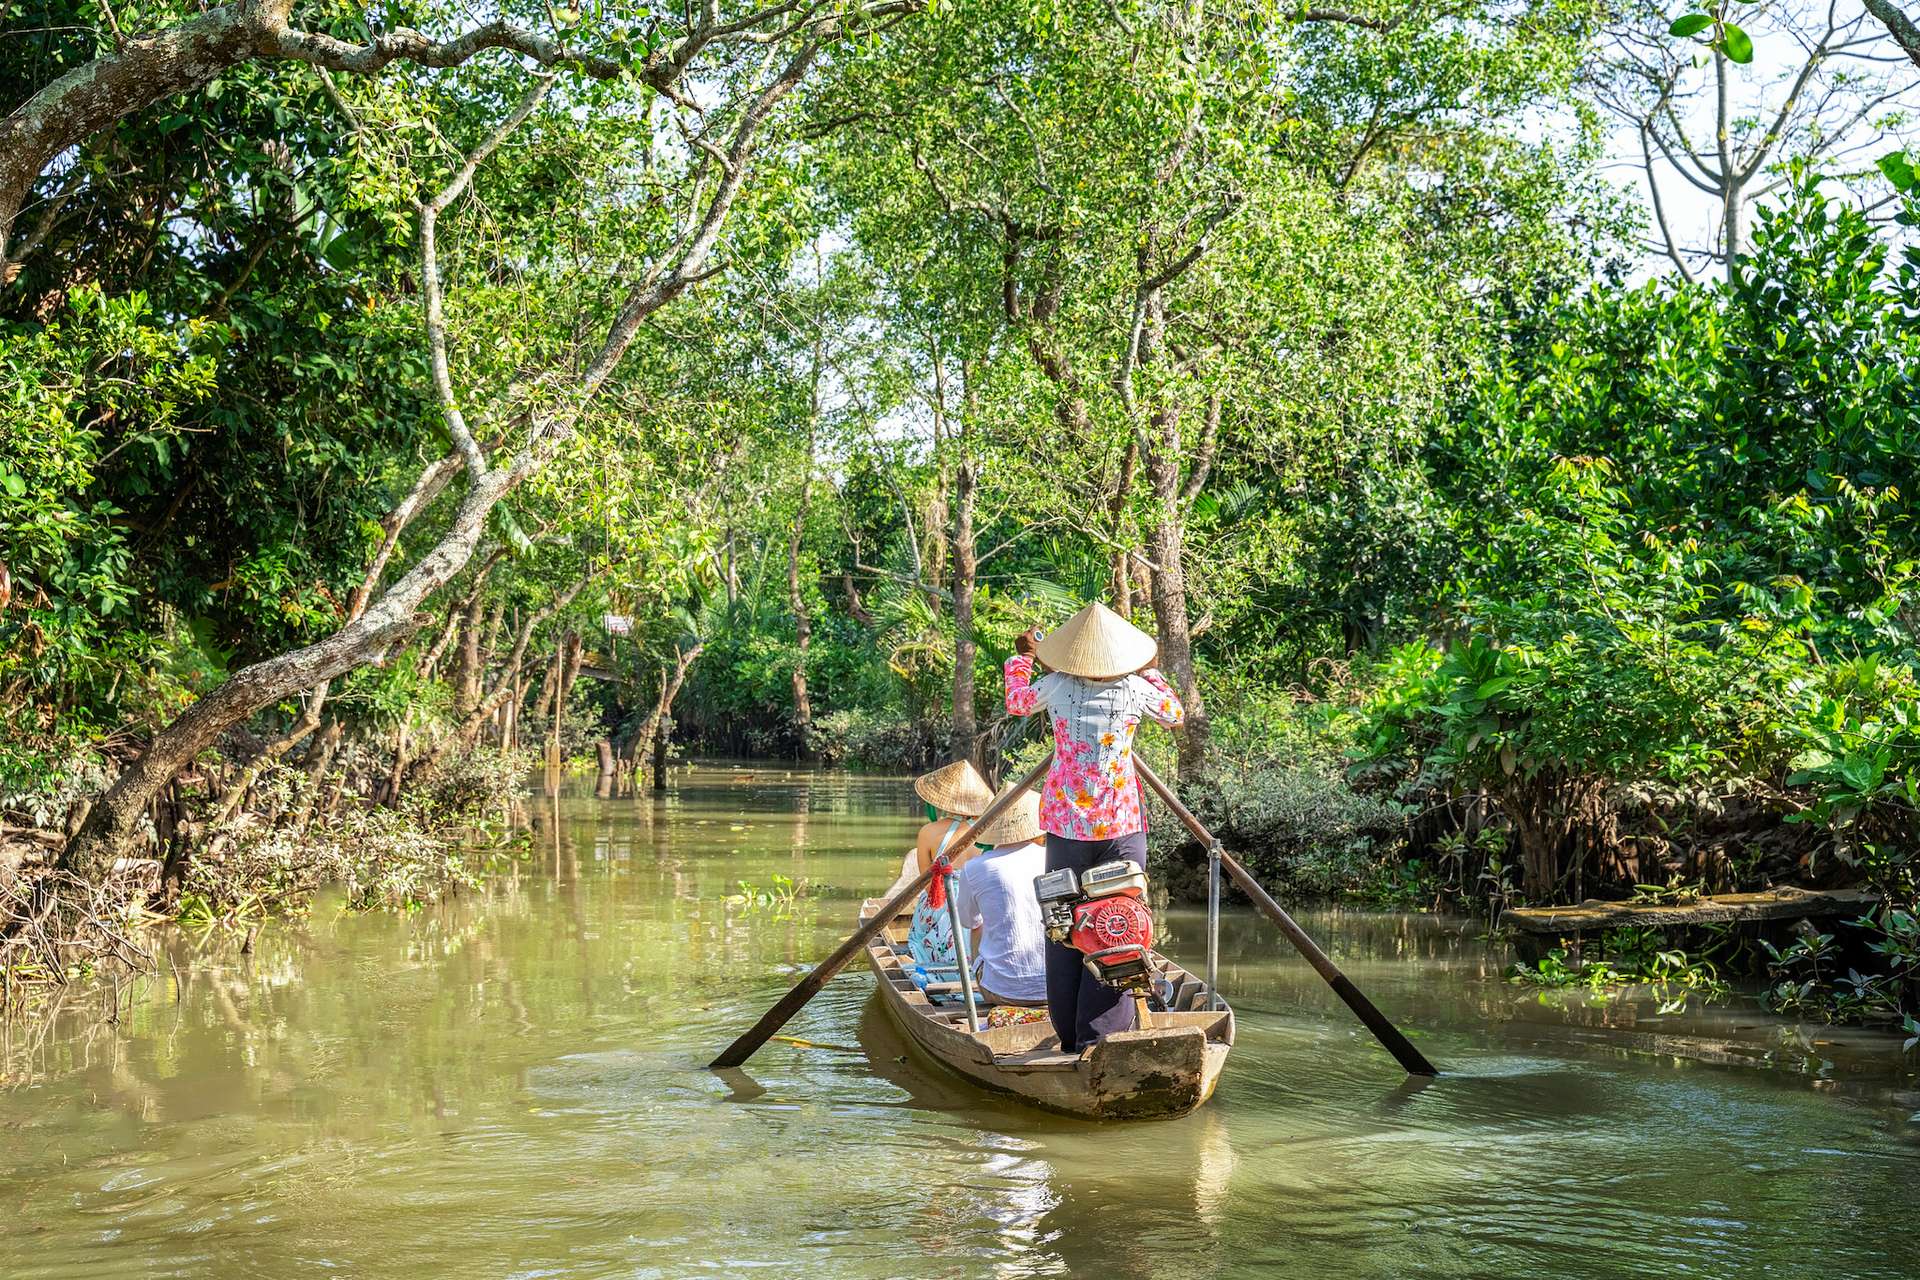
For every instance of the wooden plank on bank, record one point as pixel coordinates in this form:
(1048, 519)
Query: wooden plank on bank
(1725, 908)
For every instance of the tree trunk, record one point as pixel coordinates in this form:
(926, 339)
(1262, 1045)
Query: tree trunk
(567, 659)
(543, 705)
(650, 725)
(308, 721)
(495, 617)
(402, 761)
(796, 598)
(466, 666)
(509, 681)
(856, 608)
(651, 741)
(966, 568)
(111, 826)
(1166, 546)
(320, 753)
(430, 664)
(661, 734)
(1733, 227)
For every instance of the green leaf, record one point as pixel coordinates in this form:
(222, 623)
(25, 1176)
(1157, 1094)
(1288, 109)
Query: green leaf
(515, 535)
(343, 251)
(16, 486)
(1898, 169)
(1736, 44)
(1689, 24)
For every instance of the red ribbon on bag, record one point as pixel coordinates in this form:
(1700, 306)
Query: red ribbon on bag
(943, 870)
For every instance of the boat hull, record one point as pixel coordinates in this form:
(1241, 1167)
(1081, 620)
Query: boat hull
(1162, 1071)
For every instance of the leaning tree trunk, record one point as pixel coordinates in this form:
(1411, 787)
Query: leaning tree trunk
(651, 742)
(114, 821)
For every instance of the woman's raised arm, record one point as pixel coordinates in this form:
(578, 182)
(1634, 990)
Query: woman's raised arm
(1022, 698)
(1157, 697)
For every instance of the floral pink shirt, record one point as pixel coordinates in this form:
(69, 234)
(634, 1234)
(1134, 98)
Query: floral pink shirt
(1091, 792)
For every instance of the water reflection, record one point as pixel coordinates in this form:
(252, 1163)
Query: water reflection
(511, 1084)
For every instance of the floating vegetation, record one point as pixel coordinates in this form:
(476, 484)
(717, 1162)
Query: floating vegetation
(779, 899)
(1630, 958)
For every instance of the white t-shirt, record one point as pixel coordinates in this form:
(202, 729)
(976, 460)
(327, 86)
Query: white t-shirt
(994, 891)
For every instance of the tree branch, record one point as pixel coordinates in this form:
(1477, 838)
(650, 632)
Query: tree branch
(1898, 25)
(433, 287)
(661, 288)
(1203, 451)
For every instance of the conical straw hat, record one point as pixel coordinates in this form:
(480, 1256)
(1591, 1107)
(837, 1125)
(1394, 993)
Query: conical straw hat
(1016, 824)
(1097, 643)
(955, 788)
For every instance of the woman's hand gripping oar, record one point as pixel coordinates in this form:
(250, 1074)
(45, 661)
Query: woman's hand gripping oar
(1388, 1034)
(808, 987)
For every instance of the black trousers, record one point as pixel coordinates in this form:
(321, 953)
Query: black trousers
(1081, 1007)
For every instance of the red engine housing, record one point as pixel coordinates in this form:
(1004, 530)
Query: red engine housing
(1115, 932)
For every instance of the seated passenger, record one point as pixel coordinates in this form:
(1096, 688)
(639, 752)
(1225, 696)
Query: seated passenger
(997, 903)
(958, 793)
(955, 794)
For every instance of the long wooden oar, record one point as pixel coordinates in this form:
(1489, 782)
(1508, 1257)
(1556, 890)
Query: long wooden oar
(1388, 1034)
(808, 987)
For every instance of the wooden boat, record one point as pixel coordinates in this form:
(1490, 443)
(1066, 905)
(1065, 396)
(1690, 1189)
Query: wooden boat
(1164, 1070)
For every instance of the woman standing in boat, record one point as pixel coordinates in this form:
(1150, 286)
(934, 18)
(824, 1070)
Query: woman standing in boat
(1099, 684)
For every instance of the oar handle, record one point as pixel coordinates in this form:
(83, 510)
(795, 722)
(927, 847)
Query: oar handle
(1389, 1035)
(808, 987)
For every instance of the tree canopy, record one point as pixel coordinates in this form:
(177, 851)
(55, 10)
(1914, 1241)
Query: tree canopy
(751, 375)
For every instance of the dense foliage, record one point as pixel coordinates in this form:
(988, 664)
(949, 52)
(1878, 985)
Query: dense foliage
(750, 378)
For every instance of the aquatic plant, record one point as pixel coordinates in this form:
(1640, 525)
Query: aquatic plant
(1630, 957)
(779, 899)
(1810, 978)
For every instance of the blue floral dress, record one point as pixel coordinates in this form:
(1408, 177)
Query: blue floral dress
(930, 939)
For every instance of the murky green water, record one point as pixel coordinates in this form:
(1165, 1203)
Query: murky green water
(509, 1086)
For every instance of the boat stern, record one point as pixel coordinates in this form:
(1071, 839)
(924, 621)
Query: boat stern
(1155, 1073)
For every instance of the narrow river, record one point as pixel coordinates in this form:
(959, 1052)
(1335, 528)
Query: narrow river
(509, 1085)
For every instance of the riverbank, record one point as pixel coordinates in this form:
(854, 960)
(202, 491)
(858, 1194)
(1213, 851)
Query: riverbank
(1282, 799)
(237, 846)
(509, 1079)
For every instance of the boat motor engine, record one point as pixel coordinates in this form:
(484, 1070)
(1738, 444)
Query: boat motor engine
(1102, 913)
